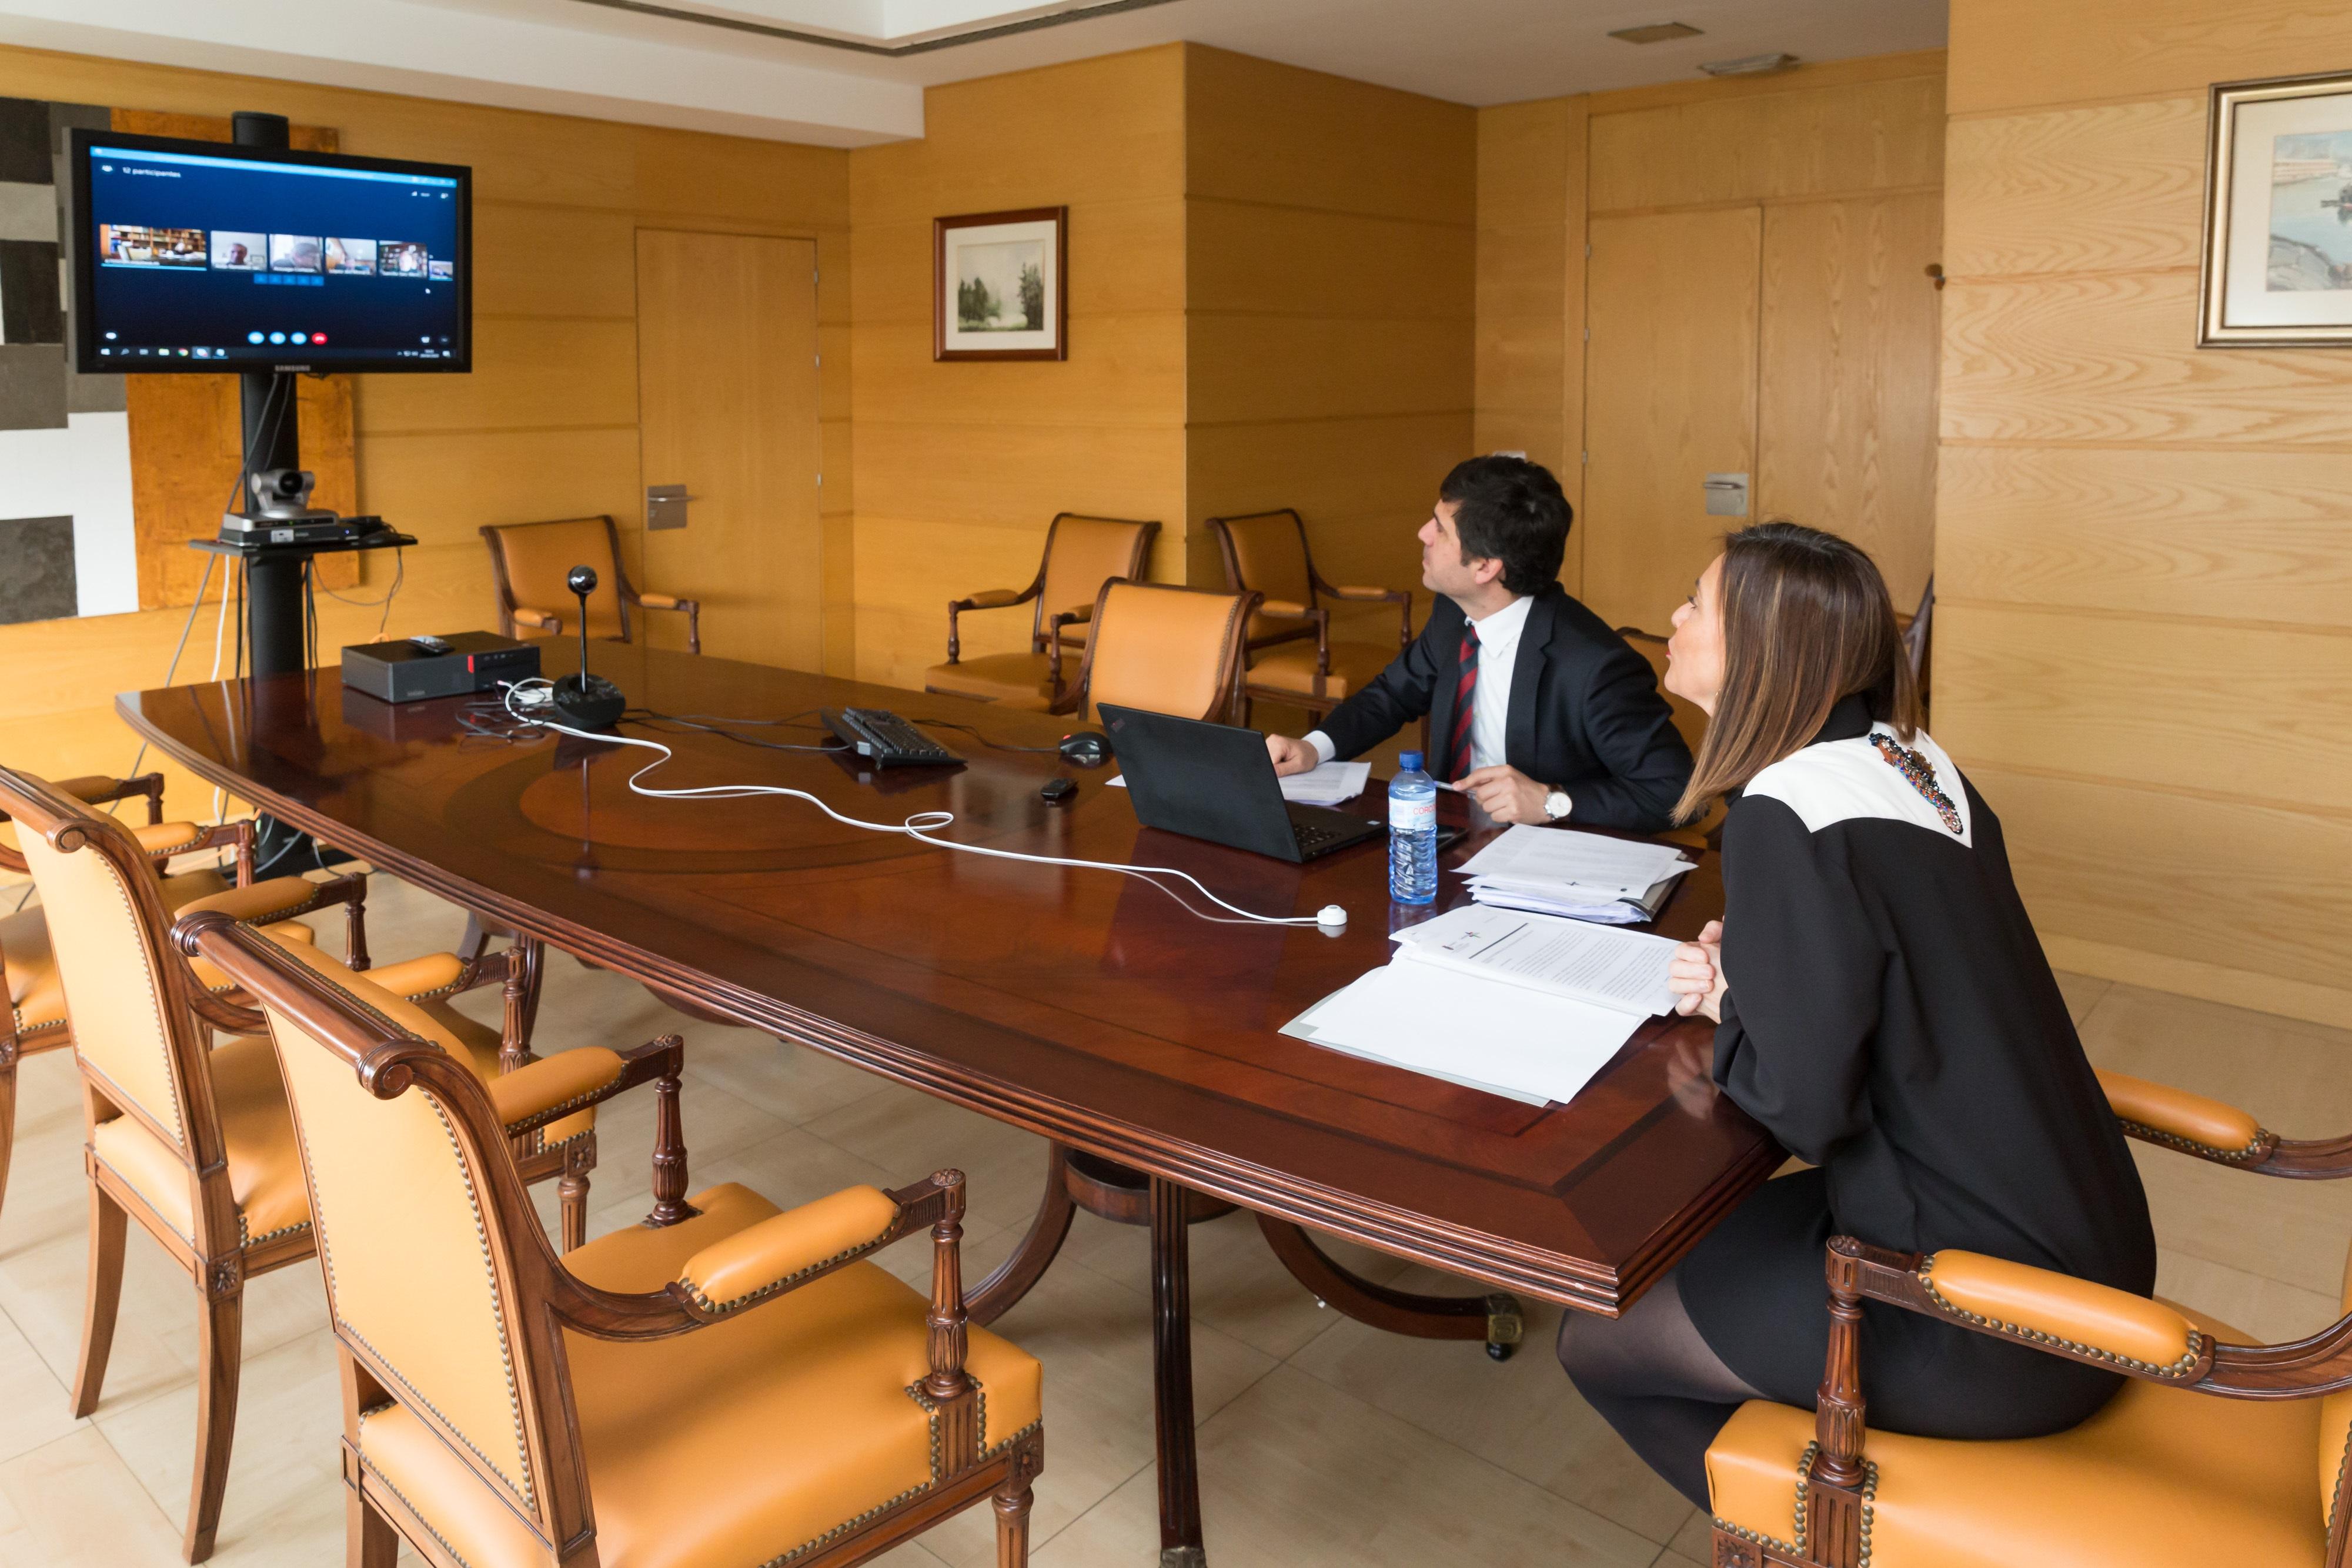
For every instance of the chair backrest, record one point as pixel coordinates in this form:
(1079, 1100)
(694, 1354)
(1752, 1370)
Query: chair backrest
(429, 1248)
(1167, 649)
(531, 561)
(125, 990)
(1266, 551)
(1081, 555)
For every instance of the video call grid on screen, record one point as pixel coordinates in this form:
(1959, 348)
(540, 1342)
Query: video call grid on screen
(202, 261)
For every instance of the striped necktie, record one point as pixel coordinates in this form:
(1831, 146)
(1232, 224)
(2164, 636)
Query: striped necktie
(1466, 692)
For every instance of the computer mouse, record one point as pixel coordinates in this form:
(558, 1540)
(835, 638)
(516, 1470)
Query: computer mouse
(1057, 790)
(1087, 747)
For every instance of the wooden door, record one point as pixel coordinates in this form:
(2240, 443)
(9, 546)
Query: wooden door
(726, 406)
(1670, 398)
(1846, 428)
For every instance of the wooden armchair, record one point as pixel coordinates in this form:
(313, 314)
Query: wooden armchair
(531, 561)
(191, 1137)
(2217, 1451)
(1081, 555)
(725, 1385)
(1292, 658)
(37, 1019)
(1165, 648)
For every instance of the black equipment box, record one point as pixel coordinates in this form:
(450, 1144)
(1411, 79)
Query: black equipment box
(411, 670)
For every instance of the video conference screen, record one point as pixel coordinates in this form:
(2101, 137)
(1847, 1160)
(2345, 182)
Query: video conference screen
(199, 256)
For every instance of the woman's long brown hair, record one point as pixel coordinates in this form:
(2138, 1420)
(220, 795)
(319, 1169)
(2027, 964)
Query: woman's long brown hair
(1806, 621)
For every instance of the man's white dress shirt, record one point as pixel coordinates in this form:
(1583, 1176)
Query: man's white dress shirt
(1490, 700)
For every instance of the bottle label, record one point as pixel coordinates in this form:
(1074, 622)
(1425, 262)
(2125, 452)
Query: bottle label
(1412, 816)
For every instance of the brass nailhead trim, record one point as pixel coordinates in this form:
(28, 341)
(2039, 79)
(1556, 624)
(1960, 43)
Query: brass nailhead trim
(2180, 1368)
(587, 1097)
(1805, 1463)
(2247, 1155)
(2336, 1499)
(721, 1309)
(506, 1354)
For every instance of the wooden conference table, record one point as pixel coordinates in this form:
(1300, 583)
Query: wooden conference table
(1087, 1007)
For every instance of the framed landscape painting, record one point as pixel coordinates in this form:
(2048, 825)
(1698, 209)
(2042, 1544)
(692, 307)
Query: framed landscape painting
(997, 286)
(2278, 214)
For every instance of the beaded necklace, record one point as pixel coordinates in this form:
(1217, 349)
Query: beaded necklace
(1914, 766)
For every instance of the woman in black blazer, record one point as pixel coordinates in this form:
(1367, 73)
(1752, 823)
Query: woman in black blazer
(1885, 1010)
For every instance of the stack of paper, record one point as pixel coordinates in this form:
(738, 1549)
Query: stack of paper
(1526, 1006)
(1327, 785)
(1577, 875)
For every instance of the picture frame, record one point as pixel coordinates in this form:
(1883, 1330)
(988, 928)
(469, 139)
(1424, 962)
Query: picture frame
(2276, 272)
(999, 285)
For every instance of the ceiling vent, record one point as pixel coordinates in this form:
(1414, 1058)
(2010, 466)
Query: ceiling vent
(1753, 66)
(1656, 33)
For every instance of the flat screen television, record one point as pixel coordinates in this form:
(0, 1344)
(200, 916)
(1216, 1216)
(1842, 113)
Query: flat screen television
(206, 256)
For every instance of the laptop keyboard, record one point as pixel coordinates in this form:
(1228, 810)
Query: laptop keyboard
(1314, 838)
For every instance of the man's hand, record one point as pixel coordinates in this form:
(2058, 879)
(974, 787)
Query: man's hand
(1695, 974)
(1290, 756)
(1504, 793)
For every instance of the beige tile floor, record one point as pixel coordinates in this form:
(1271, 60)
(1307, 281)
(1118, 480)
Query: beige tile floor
(1321, 1441)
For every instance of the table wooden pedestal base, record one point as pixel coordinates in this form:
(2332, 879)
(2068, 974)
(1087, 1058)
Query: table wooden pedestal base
(1128, 1196)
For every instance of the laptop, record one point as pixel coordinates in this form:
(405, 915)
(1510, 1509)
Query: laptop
(1213, 782)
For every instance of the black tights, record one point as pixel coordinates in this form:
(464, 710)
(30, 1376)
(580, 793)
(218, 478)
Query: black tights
(1652, 1376)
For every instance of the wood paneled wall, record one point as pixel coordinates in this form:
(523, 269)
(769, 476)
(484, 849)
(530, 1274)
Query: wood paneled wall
(961, 466)
(1329, 262)
(1845, 161)
(2144, 558)
(1530, 381)
(1271, 304)
(547, 424)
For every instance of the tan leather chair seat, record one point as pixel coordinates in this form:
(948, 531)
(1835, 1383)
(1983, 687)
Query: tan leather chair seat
(34, 989)
(668, 1425)
(1013, 680)
(2213, 1480)
(265, 1169)
(1290, 668)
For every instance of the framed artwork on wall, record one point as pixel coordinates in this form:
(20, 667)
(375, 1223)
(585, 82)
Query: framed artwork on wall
(2278, 214)
(998, 285)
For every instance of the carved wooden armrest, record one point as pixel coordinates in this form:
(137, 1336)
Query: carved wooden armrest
(229, 1016)
(987, 599)
(764, 1262)
(551, 1088)
(283, 897)
(2216, 1131)
(546, 619)
(2058, 1313)
(236, 837)
(162, 841)
(98, 790)
(778, 1253)
(661, 600)
(1055, 622)
(1359, 594)
(432, 974)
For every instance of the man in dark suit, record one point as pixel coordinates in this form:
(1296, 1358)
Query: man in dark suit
(1536, 709)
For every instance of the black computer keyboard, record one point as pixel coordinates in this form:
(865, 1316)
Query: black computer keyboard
(1313, 837)
(884, 739)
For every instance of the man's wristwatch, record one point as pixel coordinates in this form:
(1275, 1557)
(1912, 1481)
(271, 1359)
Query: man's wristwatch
(1556, 804)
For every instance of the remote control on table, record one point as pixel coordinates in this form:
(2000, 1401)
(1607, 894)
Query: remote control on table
(425, 642)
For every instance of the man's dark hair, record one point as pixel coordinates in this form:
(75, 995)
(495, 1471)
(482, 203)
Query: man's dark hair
(1511, 510)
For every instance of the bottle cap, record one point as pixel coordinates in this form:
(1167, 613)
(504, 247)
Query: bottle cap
(1409, 761)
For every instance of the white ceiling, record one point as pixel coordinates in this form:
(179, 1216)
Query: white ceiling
(642, 60)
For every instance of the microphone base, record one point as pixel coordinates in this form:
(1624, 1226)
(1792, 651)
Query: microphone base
(588, 702)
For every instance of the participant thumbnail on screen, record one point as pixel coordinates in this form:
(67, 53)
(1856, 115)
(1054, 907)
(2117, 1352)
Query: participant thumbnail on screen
(401, 258)
(444, 270)
(293, 252)
(237, 251)
(134, 244)
(352, 256)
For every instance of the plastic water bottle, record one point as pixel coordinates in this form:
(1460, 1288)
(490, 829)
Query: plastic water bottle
(1412, 833)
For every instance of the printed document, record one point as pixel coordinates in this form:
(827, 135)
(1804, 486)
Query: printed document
(1599, 965)
(1451, 1024)
(1534, 857)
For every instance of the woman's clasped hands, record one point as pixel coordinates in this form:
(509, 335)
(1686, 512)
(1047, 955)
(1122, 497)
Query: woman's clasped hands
(1695, 974)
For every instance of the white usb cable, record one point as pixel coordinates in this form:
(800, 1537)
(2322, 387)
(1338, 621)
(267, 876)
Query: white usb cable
(527, 702)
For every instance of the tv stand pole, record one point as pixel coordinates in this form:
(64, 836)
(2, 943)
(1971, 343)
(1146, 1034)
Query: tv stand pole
(272, 434)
